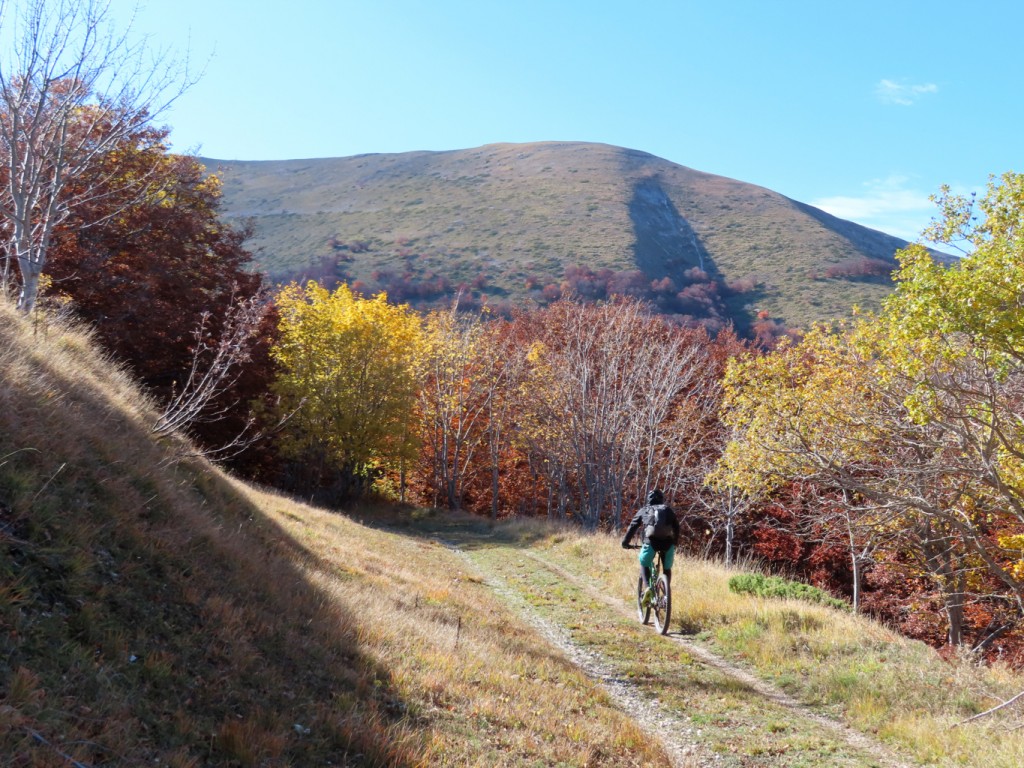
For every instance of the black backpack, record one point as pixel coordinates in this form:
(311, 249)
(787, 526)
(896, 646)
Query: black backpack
(658, 523)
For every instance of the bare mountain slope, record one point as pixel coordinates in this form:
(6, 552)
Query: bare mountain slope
(508, 219)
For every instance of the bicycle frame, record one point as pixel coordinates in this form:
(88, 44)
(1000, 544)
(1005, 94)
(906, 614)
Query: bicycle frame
(661, 604)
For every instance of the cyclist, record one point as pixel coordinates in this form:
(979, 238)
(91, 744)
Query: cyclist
(661, 534)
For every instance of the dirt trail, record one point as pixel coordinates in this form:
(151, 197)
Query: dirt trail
(853, 737)
(677, 731)
(674, 733)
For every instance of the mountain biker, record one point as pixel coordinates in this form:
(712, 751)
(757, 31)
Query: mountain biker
(654, 540)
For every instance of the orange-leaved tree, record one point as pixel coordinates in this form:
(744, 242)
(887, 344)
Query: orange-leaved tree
(72, 88)
(469, 370)
(167, 285)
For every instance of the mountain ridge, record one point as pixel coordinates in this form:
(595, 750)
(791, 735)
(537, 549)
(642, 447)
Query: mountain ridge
(506, 221)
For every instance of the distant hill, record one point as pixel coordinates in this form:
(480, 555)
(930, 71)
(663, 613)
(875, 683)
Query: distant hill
(512, 223)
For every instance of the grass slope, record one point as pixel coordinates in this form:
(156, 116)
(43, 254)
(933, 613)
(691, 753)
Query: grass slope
(512, 211)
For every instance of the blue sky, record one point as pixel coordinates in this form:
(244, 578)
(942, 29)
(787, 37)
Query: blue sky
(863, 108)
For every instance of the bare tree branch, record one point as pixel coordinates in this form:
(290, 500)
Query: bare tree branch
(217, 361)
(987, 712)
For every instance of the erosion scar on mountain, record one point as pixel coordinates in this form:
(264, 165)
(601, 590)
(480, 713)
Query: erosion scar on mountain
(666, 245)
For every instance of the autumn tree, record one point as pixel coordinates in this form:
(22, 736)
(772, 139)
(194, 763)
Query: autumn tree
(788, 414)
(605, 403)
(581, 389)
(954, 340)
(914, 414)
(348, 365)
(814, 413)
(71, 90)
(692, 436)
(725, 506)
(680, 393)
(168, 286)
(471, 368)
(453, 398)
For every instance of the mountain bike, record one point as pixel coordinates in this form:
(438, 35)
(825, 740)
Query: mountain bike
(659, 599)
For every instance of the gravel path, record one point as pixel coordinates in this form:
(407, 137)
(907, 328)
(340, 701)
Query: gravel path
(675, 734)
(678, 735)
(851, 736)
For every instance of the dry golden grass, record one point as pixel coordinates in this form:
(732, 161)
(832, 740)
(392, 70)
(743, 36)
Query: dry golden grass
(458, 658)
(154, 611)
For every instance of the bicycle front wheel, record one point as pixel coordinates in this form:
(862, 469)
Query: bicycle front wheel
(643, 611)
(662, 604)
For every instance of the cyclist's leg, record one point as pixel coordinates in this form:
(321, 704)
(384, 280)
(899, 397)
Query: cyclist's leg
(667, 558)
(646, 563)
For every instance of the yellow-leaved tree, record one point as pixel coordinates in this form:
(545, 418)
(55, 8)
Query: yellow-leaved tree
(808, 413)
(912, 418)
(347, 366)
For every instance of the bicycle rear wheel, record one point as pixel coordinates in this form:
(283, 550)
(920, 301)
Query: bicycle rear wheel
(662, 604)
(643, 612)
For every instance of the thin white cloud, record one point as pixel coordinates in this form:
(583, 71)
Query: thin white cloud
(890, 205)
(901, 93)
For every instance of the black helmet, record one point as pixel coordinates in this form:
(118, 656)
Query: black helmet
(655, 497)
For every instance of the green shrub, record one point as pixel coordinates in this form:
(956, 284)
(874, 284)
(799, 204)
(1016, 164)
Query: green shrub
(775, 586)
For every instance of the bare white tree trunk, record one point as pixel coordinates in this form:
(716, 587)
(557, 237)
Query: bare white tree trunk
(71, 90)
(725, 506)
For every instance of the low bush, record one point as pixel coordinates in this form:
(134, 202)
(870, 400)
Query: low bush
(774, 586)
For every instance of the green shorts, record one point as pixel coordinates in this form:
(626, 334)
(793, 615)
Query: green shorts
(647, 556)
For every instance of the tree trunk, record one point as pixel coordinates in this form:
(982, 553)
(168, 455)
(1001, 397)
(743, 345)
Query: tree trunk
(942, 562)
(954, 607)
(854, 557)
(729, 529)
(855, 565)
(29, 286)
(494, 491)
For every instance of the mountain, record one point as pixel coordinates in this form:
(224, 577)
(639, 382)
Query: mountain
(517, 222)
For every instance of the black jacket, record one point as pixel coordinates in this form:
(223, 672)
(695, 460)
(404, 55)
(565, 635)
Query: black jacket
(640, 521)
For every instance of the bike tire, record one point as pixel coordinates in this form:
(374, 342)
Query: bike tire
(643, 613)
(662, 605)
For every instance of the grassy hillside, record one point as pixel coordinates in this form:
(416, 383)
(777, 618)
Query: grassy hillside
(155, 612)
(519, 214)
